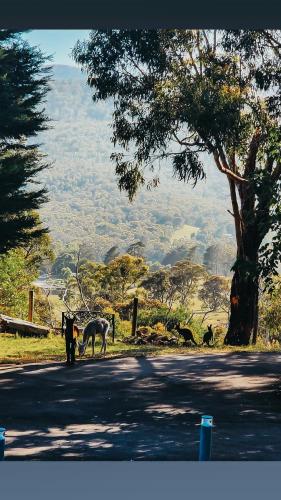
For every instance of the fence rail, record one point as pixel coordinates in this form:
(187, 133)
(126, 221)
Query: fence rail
(84, 316)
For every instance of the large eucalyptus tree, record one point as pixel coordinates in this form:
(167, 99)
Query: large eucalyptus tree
(180, 93)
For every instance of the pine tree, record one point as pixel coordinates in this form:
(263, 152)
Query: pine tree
(24, 80)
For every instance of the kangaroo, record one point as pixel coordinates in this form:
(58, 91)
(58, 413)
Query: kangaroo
(208, 336)
(185, 333)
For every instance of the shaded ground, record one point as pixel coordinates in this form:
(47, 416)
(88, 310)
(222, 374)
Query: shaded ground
(144, 408)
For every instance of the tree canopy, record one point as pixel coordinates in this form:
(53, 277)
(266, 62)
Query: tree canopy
(23, 87)
(196, 90)
(180, 93)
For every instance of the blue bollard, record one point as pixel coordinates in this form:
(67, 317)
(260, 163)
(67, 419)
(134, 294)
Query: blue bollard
(205, 438)
(2, 442)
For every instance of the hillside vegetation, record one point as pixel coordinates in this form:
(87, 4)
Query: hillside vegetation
(85, 203)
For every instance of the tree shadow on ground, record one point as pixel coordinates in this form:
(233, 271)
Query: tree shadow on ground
(144, 408)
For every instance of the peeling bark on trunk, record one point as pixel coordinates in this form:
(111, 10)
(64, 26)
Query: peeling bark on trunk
(243, 322)
(243, 310)
(244, 295)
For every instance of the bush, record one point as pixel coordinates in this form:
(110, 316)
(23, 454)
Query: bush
(101, 303)
(159, 327)
(124, 328)
(150, 317)
(125, 309)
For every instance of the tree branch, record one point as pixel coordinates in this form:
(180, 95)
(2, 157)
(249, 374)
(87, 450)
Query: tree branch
(275, 44)
(276, 174)
(253, 150)
(136, 66)
(224, 169)
(183, 142)
(207, 41)
(236, 212)
(193, 62)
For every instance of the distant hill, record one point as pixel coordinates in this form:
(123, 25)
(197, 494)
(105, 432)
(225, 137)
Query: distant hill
(85, 203)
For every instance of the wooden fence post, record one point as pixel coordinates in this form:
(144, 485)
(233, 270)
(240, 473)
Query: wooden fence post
(135, 316)
(62, 323)
(113, 328)
(31, 305)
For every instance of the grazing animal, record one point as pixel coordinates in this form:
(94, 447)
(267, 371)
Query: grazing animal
(208, 336)
(96, 326)
(185, 333)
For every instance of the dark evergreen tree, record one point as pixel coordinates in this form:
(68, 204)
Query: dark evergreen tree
(24, 80)
(219, 258)
(136, 249)
(178, 253)
(211, 259)
(111, 254)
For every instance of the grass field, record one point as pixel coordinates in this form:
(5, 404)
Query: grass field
(185, 231)
(28, 350)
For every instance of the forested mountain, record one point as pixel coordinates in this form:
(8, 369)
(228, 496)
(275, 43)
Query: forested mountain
(85, 203)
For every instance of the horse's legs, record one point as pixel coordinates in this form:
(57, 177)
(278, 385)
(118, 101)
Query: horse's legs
(103, 345)
(93, 345)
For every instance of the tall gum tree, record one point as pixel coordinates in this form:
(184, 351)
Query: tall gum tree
(180, 93)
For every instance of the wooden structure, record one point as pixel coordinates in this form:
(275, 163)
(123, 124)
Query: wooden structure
(135, 316)
(30, 305)
(22, 327)
(71, 331)
(83, 317)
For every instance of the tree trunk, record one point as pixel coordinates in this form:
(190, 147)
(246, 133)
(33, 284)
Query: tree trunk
(243, 310)
(256, 324)
(243, 321)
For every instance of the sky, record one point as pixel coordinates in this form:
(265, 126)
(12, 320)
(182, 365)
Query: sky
(57, 43)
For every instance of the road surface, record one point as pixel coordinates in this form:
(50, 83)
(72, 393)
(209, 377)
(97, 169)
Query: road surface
(143, 408)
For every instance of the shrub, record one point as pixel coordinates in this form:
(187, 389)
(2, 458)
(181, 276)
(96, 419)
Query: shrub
(125, 309)
(124, 328)
(159, 327)
(150, 317)
(101, 303)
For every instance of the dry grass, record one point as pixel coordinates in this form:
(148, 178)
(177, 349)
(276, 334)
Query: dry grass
(215, 318)
(28, 350)
(183, 232)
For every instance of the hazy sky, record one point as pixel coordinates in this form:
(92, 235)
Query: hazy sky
(57, 43)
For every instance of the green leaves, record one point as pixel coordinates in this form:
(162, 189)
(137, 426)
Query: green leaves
(188, 167)
(178, 93)
(23, 86)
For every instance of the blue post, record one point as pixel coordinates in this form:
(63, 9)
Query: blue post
(205, 438)
(2, 442)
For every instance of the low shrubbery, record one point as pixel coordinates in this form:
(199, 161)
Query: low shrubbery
(161, 321)
(152, 316)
